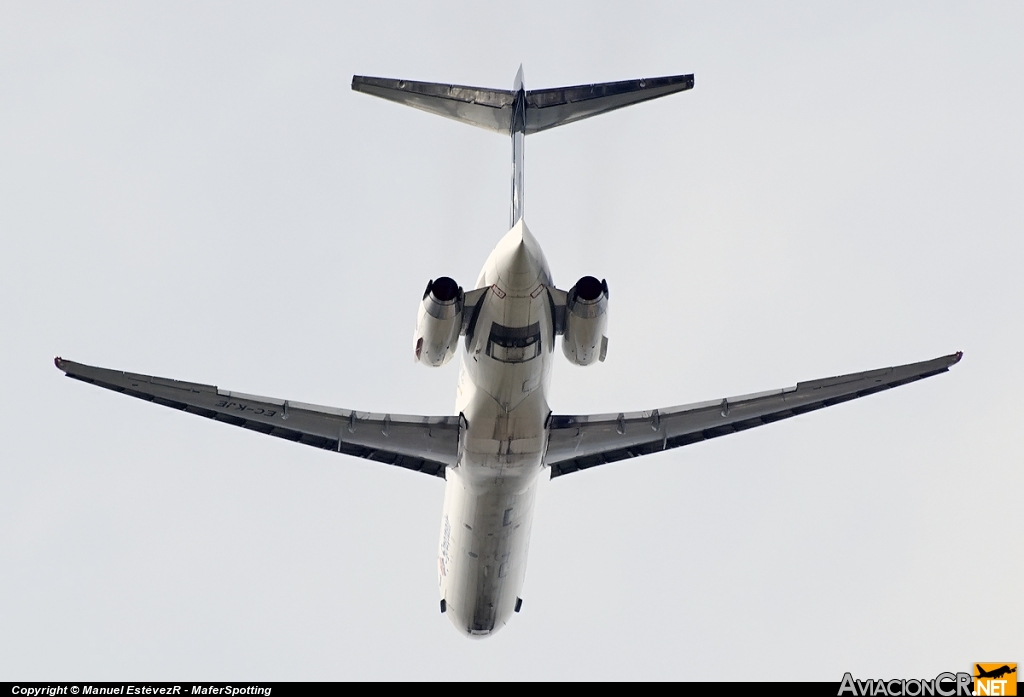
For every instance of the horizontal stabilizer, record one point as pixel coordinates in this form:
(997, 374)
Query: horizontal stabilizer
(549, 108)
(490, 109)
(493, 109)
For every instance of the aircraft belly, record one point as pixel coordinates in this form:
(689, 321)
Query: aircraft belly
(488, 509)
(485, 536)
(490, 492)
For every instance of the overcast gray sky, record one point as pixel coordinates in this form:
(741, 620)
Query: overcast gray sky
(192, 190)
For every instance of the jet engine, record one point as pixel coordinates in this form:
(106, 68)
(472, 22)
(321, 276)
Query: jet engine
(439, 322)
(586, 319)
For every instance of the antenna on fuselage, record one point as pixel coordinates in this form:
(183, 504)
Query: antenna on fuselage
(519, 112)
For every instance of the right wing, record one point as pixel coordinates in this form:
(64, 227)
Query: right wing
(427, 444)
(579, 442)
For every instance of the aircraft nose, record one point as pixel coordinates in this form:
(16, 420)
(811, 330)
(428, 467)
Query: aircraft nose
(480, 630)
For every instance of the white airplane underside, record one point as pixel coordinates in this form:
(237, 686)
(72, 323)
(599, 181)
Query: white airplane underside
(503, 436)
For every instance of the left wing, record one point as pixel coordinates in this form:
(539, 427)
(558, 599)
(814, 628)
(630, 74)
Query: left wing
(579, 442)
(424, 443)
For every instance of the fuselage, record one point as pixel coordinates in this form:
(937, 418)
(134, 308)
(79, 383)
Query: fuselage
(490, 493)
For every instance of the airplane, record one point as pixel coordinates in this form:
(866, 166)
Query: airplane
(995, 673)
(503, 437)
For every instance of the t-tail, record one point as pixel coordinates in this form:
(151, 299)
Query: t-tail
(519, 112)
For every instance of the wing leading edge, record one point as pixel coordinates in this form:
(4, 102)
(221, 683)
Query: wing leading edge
(580, 442)
(423, 443)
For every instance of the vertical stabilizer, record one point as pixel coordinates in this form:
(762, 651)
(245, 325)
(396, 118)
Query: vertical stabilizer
(518, 132)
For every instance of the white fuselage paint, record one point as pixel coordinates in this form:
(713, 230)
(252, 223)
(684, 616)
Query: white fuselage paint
(490, 493)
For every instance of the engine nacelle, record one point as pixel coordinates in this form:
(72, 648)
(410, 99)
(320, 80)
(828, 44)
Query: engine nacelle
(586, 320)
(439, 322)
